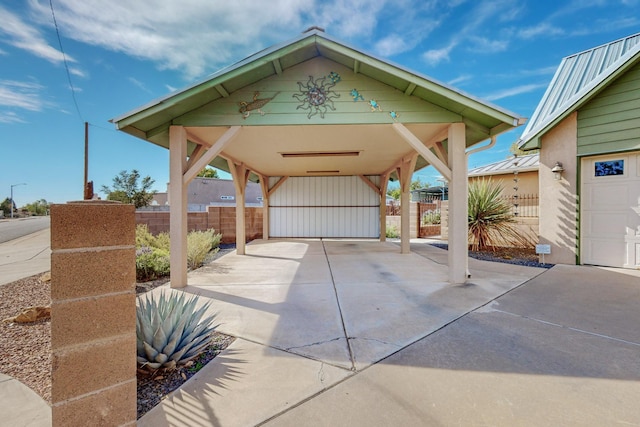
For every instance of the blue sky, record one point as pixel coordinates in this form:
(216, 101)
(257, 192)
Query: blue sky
(122, 54)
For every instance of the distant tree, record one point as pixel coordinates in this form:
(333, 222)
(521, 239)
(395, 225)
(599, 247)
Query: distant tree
(394, 192)
(208, 172)
(416, 184)
(39, 207)
(514, 150)
(6, 206)
(127, 189)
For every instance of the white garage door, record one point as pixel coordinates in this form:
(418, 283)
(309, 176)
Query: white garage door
(610, 226)
(337, 206)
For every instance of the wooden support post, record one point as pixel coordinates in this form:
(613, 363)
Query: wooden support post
(384, 182)
(178, 206)
(240, 175)
(458, 215)
(264, 185)
(406, 172)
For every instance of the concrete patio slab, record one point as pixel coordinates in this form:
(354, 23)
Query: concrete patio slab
(591, 299)
(20, 406)
(247, 384)
(513, 346)
(302, 319)
(488, 369)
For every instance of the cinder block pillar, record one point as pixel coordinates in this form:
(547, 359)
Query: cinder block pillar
(93, 314)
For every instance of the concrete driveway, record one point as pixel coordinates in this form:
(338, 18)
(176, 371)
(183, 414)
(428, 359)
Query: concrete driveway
(354, 333)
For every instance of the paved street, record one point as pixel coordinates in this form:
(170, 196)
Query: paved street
(11, 229)
(25, 248)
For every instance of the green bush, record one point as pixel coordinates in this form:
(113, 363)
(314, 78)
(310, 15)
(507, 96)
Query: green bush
(199, 246)
(392, 232)
(431, 218)
(152, 252)
(151, 263)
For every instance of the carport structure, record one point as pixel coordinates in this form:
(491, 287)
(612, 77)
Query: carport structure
(322, 127)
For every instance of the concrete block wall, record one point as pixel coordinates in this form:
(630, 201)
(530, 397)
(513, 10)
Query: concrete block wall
(93, 314)
(395, 221)
(221, 218)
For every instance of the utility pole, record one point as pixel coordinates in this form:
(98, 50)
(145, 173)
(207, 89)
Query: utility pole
(88, 185)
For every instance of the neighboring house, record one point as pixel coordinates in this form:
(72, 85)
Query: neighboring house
(587, 127)
(203, 192)
(504, 173)
(430, 194)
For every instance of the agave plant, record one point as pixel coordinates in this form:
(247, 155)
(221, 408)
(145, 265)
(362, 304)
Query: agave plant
(170, 331)
(491, 222)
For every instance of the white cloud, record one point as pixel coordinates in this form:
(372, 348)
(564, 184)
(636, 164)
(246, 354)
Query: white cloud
(24, 95)
(139, 84)
(195, 36)
(392, 44)
(170, 88)
(9, 117)
(484, 45)
(518, 90)
(435, 56)
(542, 29)
(460, 79)
(28, 37)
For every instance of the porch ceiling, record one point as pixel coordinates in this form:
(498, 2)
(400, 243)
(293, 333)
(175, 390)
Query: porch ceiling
(312, 150)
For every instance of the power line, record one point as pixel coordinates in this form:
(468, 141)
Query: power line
(66, 65)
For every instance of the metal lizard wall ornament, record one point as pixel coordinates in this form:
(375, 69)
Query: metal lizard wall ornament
(256, 104)
(356, 95)
(374, 105)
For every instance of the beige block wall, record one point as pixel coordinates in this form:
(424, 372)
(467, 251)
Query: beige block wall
(396, 220)
(93, 314)
(558, 200)
(221, 218)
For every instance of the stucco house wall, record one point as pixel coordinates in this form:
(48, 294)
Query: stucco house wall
(558, 200)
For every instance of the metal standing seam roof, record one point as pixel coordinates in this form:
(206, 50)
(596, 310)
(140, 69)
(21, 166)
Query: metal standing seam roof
(575, 78)
(526, 163)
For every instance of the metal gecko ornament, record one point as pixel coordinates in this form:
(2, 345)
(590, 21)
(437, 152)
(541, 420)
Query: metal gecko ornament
(246, 107)
(316, 96)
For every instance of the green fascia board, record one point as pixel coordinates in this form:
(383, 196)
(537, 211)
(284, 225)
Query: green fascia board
(533, 141)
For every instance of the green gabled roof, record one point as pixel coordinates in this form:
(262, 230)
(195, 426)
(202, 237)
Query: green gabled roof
(579, 78)
(151, 121)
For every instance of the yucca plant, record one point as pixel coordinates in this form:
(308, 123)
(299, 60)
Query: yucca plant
(170, 331)
(491, 222)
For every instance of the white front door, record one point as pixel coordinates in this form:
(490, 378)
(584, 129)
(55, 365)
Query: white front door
(610, 210)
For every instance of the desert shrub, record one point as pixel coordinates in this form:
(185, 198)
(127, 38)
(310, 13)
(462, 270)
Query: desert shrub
(170, 331)
(199, 245)
(431, 217)
(151, 263)
(162, 241)
(392, 232)
(491, 222)
(144, 238)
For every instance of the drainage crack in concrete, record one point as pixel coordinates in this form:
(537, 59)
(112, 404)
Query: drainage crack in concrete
(344, 326)
(314, 344)
(545, 322)
(376, 340)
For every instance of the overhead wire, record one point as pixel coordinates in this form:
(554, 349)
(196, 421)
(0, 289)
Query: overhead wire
(66, 64)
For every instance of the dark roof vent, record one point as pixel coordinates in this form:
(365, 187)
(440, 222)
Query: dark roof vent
(315, 27)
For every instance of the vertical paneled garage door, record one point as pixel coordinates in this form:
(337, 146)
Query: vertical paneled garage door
(337, 206)
(610, 207)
